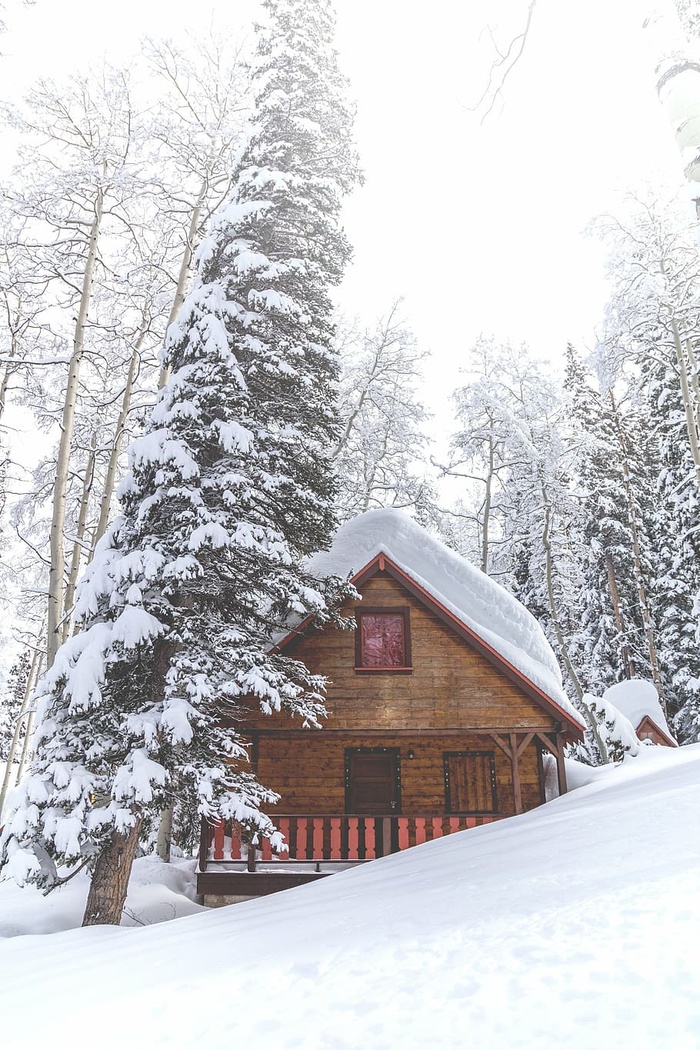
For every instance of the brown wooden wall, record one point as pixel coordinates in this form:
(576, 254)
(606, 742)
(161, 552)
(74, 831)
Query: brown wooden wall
(308, 770)
(451, 687)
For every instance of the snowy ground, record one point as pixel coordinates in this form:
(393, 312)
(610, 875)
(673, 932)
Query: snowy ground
(575, 925)
(157, 892)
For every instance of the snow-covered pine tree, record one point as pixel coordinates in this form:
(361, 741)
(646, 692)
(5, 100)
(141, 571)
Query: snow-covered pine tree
(11, 703)
(616, 482)
(653, 320)
(614, 732)
(677, 584)
(228, 490)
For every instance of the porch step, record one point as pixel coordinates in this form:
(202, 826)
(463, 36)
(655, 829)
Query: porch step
(252, 884)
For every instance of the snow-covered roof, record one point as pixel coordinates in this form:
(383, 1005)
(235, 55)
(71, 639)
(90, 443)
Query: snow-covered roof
(636, 699)
(477, 601)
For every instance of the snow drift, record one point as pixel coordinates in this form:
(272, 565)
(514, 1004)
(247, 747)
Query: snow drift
(575, 924)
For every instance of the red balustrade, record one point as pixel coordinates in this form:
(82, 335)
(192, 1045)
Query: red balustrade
(336, 853)
(353, 838)
(219, 834)
(370, 840)
(333, 837)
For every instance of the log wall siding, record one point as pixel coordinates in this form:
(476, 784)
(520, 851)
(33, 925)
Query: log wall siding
(308, 770)
(451, 685)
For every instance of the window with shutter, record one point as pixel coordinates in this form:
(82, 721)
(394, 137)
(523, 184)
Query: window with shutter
(470, 782)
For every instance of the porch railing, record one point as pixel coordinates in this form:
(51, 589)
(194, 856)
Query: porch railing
(330, 837)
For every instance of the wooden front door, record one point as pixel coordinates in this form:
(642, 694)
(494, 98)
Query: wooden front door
(372, 780)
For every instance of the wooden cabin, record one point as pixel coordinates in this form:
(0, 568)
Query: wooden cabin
(437, 717)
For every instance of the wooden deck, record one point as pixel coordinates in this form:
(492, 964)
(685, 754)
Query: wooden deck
(316, 845)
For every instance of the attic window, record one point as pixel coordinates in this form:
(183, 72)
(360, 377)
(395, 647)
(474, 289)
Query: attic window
(382, 641)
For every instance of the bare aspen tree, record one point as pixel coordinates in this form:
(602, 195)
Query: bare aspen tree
(381, 451)
(613, 587)
(481, 448)
(199, 128)
(82, 131)
(109, 247)
(116, 444)
(79, 543)
(55, 606)
(22, 720)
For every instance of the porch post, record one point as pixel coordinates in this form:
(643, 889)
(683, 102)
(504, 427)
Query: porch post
(556, 748)
(561, 767)
(515, 766)
(203, 845)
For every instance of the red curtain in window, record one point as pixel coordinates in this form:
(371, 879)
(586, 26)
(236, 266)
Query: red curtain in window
(383, 642)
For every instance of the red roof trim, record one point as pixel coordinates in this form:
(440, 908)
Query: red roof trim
(382, 563)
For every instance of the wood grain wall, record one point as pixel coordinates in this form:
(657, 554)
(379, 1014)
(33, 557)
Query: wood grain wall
(451, 685)
(451, 690)
(308, 770)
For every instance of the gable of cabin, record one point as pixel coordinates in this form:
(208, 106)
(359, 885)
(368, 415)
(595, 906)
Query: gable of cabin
(449, 684)
(428, 732)
(446, 711)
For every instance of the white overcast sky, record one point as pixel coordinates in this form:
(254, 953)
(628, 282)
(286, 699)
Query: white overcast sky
(478, 227)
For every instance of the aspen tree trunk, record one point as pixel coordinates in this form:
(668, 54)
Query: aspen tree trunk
(110, 879)
(374, 373)
(185, 262)
(647, 622)
(4, 383)
(485, 531)
(25, 746)
(164, 841)
(11, 325)
(678, 88)
(551, 596)
(113, 462)
(57, 567)
(627, 660)
(24, 711)
(694, 383)
(371, 481)
(354, 414)
(78, 544)
(691, 422)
